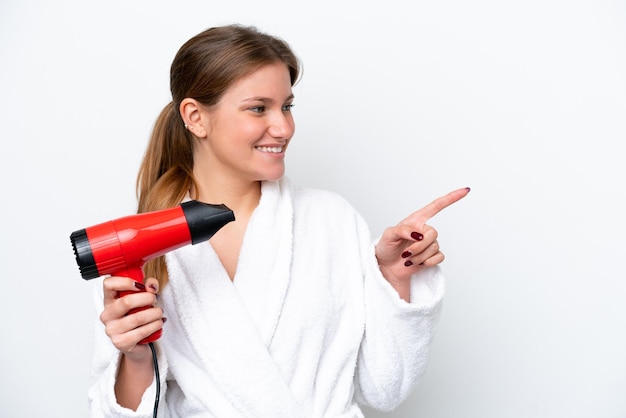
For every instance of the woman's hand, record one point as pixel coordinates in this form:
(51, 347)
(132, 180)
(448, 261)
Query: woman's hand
(412, 243)
(127, 330)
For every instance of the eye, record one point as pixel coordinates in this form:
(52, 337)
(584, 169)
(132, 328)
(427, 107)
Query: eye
(257, 109)
(288, 107)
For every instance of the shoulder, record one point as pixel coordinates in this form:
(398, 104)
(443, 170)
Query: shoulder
(325, 210)
(319, 200)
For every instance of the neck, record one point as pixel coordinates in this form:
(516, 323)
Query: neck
(240, 196)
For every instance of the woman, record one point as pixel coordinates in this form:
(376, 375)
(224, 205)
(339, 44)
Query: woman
(290, 310)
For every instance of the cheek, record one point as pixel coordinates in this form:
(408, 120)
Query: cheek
(247, 131)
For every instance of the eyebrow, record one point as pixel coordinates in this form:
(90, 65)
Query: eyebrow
(266, 99)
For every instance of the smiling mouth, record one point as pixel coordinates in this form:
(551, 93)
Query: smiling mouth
(273, 150)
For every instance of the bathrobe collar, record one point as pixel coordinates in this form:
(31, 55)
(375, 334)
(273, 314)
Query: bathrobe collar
(233, 322)
(263, 270)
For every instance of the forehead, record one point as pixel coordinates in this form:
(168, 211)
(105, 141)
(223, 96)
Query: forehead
(270, 80)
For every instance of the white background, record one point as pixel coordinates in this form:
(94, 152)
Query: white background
(524, 101)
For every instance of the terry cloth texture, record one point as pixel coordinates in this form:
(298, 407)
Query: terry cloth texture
(309, 327)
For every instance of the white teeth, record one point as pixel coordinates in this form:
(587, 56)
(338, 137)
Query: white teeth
(275, 150)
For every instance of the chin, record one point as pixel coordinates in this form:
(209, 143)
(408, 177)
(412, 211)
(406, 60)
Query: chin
(273, 176)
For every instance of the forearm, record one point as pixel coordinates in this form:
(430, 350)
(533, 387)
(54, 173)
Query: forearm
(134, 376)
(394, 351)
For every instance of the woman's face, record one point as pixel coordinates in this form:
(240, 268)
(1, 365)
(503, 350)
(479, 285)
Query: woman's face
(249, 129)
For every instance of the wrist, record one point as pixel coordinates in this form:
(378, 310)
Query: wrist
(402, 286)
(139, 355)
(134, 376)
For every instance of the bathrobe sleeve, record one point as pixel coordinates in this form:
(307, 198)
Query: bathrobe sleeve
(397, 336)
(105, 363)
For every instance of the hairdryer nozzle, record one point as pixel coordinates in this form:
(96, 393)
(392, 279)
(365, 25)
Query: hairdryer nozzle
(204, 219)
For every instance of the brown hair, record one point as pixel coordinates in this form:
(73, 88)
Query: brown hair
(203, 69)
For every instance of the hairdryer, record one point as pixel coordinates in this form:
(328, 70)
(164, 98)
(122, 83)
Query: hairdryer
(122, 246)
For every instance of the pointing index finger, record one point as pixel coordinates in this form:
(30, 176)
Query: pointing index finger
(441, 203)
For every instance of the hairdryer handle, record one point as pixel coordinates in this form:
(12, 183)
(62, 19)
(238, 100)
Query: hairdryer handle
(137, 275)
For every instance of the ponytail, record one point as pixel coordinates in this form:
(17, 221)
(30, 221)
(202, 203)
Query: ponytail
(165, 175)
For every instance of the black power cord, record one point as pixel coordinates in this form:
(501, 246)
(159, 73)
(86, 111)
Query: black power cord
(157, 378)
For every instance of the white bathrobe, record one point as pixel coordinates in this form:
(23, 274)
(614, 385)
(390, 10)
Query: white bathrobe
(308, 327)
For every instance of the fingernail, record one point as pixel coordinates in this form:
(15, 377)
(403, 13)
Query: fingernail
(417, 236)
(140, 286)
(408, 263)
(468, 189)
(153, 287)
(164, 319)
(406, 254)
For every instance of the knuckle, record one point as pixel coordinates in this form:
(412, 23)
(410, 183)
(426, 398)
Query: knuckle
(136, 319)
(109, 332)
(143, 317)
(126, 303)
(153, 299)
(103, 317)
(106, 283)
(108, 315)
(118, 340)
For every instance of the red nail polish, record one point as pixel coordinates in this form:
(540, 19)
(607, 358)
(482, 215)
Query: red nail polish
(408, 263)
(406, 254)
(417, 236)
(140, 286)
(164, 319)
(153, 287)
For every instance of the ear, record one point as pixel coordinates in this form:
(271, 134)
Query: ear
(194, 117)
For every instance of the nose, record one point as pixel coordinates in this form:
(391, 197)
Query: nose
(281, 125)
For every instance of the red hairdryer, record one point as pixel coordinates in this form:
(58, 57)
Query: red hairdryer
(121, 247)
